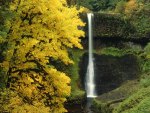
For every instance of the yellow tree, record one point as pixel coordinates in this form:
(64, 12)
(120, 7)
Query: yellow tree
(41, 30)
(130, 7)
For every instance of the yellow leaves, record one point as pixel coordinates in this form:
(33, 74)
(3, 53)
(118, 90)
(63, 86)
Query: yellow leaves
(63, 2)
(130, 6)
(23, 48)
(26, 86)
(39, 79)
(15, 104)
(41, 30)
(15, 100)
(4, 64)
(7, 24)
(61, 81)
(1, 39)
(84, 9)
(30, 79)
(51, 24)
(25, 66)
(27, 91)
(42, 7)
(13, 6)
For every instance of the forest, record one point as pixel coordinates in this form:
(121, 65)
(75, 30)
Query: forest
(43, 56)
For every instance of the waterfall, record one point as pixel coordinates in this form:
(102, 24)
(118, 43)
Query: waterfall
(90, 85)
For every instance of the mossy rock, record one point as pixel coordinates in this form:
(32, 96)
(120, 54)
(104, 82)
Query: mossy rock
(137, 103)
(77, 93)
(107, 102)
(109, 25)
(114, 25)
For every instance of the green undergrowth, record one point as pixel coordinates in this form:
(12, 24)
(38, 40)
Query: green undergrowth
(105, 103)
(111, 24)
(76, 91)
(113, 51)
(137, 103)
(145, 80)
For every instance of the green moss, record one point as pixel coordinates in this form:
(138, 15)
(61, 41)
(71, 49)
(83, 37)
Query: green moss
(146, 66)
(113, 51)
(142, 107)
(135, 103)
(139, 17)
(105, 103)
(138, 102)
(145, 78)
(110, 24)
(147, 54)
(101, 107)
(140, 20)
(146, 59)
(76, 91)
(96, 5)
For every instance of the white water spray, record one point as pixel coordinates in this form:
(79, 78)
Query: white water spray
(90, 85)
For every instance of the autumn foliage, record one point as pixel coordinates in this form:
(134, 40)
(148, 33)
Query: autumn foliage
(131, 6)
(40, 31)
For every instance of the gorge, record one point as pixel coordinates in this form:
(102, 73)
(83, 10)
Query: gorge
(117, 65)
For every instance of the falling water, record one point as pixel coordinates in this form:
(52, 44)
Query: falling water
(90, 85)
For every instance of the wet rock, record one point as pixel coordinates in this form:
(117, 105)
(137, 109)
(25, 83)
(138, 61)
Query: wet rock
(111, 26)
(110, 71)
(106, 102)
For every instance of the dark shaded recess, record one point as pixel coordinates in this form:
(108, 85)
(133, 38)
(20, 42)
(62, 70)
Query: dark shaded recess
(106, 42)
(3, 77)
(113, 42)
(110, 71)
(76, 108)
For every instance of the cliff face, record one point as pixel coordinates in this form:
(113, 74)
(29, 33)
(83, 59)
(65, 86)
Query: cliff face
(116, 76)
(107, 25)
(110, 71)
(111, 30)
(117, 62)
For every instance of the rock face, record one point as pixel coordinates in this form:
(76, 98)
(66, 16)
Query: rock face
(116, 77)
(107, 102)
(108, 25)
(110, 71)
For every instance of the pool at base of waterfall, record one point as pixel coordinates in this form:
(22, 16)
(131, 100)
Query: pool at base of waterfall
(85, 107)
